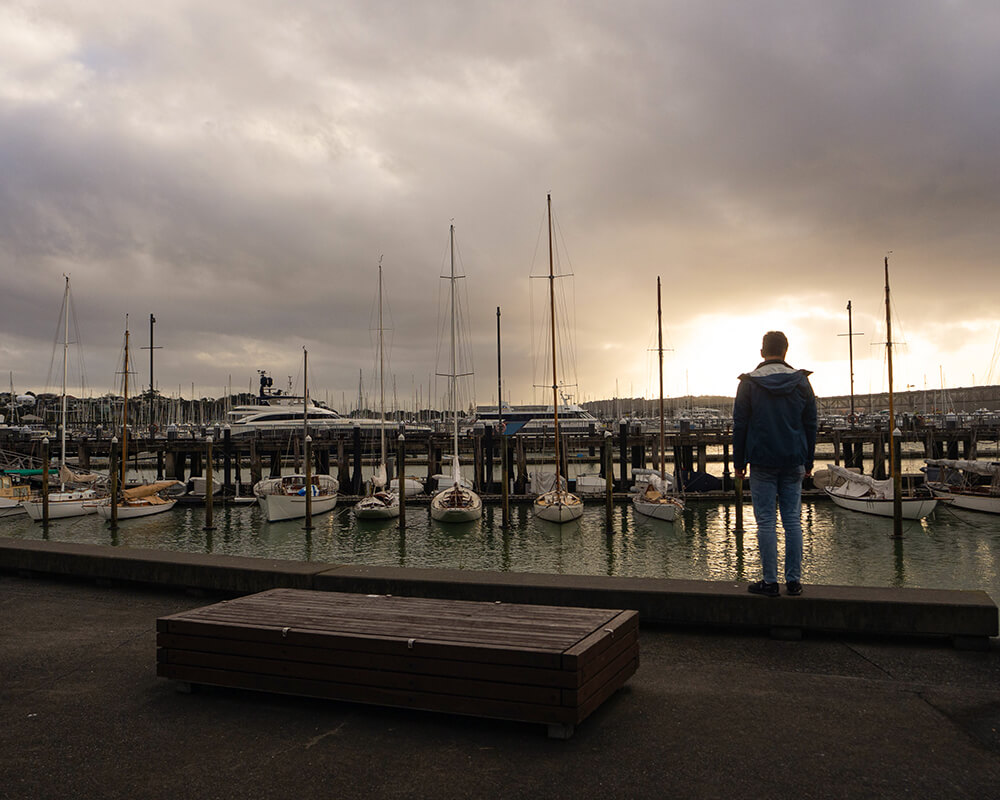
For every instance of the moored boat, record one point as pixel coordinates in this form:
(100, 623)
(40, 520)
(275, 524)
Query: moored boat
(870, 496)
(12, 494)
(558, 505)
(285, 497)
(139, 501)
(972, 485)
(379, 502)
(455, 503)
(656, 501)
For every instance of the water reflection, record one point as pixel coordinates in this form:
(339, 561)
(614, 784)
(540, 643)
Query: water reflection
(951, 549)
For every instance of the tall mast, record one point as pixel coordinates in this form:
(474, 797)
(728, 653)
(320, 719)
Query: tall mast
(552, 313)
(888, 356)
(659, 342)
(125, 408)
(454, 363)
(894, 466)
(381, 366)
(850, 355)
(305, 394)
(62, 433)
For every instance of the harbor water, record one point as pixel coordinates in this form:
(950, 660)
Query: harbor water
(951, 549)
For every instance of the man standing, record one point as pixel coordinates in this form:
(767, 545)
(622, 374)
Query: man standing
(774, 431)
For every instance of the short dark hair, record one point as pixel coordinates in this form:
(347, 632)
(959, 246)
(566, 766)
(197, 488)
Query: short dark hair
(775, 344)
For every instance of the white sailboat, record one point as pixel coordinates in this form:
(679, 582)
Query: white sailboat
(65, 502)
(657, 501)
(969, 484)
(301, 495)
(379, 502)
(134, 501)
(559, 504)
(455, 503)
(865, 494)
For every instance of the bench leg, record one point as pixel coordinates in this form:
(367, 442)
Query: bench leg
(560, 730)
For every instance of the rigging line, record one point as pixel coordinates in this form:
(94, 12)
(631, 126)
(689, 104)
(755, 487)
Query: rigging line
(993, 360)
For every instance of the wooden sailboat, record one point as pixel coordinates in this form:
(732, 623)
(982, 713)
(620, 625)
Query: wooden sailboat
(657, 501)
(862, 492)
(456, 502)
(379, 502)
(559, 504)
(67, 502)
(300, 495)
(134, 501)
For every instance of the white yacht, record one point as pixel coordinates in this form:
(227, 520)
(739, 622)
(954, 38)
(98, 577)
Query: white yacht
(280, 413)
(538, 419)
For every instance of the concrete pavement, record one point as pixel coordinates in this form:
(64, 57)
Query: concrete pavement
(713, 714)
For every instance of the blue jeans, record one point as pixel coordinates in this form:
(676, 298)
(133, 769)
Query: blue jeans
(773, 490)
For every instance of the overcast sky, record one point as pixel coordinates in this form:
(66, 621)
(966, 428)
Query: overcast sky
(239, 168)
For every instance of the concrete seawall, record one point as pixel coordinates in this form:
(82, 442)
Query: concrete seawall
(969, 618)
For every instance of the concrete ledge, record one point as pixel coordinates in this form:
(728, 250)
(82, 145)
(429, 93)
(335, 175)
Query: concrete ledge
(968, 617)
(836, 609)
(216, 573)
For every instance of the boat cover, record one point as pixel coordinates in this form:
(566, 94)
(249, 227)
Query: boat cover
(148, 489)
(989, 468)
(860, 485)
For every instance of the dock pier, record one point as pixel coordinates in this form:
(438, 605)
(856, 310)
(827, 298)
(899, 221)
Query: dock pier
(346, 453)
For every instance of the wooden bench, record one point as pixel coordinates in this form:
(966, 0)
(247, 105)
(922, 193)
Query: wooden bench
(544, 664)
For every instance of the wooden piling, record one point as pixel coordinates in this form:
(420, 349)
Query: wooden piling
(401, 460)
(623, 456)
(227, 462)
(209, 488)
(45, 483)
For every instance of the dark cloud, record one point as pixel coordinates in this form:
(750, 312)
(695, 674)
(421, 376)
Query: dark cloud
(238, 170)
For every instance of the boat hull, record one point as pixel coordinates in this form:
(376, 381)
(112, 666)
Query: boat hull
(558, 507)
(444, 507)
(63, 505)
(912, 508)
(971, 502)
(377, 508)
(278, 507)
(667, 512)
(8, 508)
(135, 510)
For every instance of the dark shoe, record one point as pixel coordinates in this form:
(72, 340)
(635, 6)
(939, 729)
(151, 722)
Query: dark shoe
(793, 588)
(764, 588)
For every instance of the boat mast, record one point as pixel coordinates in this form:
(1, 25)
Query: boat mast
(381, 366)
(305, 394)
(659, 341)
(62, 433)
(850, 356)
(454, 364)
(552, 313)
(897, 478)
(888, 357)
(125, 408)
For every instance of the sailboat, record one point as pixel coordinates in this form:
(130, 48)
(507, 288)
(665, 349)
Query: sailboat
(379, 502)
(863, 493)
(285, 497)
(65, 502)
(456, 502)
(657, 501)
(134, 501)
(969, 484)
(558, 504)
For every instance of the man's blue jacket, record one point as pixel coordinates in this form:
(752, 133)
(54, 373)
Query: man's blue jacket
(774, 418)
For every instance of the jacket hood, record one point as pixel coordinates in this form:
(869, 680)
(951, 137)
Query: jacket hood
(777, 377)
